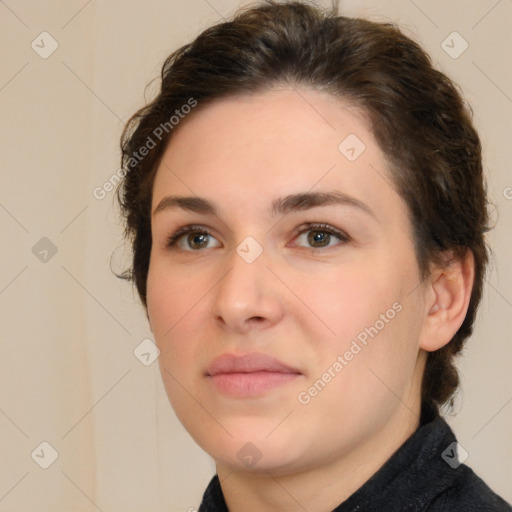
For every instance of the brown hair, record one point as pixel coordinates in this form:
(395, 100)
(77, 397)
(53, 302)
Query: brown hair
(417, 115)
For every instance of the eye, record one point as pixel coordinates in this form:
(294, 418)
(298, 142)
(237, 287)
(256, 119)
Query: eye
(191, 238)
(315, 236)
(319, 236)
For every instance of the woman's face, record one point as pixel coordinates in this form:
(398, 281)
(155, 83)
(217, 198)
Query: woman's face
(298, 272)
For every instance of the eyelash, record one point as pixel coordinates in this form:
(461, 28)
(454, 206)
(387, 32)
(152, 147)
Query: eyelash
(173, 239)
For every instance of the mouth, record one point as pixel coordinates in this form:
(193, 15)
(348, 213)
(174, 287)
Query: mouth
(249, 375)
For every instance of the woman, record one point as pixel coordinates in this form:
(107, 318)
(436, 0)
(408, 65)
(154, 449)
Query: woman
(307, 210)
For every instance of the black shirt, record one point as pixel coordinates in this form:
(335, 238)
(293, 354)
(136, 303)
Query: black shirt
(422, 475)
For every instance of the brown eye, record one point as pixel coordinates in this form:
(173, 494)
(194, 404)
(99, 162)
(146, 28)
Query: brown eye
(319, 236)
(191, 238)
(197, 240)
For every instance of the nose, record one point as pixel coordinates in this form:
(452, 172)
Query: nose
(248, 296)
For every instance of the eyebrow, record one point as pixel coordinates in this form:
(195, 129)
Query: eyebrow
(279, 206)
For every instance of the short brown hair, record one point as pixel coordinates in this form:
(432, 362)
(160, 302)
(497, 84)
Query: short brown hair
(417, 115)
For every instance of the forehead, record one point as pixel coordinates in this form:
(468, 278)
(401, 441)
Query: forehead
(247, 150)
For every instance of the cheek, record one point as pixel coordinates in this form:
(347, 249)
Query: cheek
(174, 307)
(173, 304)
(349, 299)
(369, 316)
(378, 360)
(171, 294)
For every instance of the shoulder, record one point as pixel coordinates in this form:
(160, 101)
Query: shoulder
(469, 493)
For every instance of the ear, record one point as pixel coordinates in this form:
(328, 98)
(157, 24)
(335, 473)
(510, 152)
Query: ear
(447, 300)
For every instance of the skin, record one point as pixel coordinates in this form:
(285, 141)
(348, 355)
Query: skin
(298, 302)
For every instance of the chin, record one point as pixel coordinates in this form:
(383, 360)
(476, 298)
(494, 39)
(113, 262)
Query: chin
(253, 449)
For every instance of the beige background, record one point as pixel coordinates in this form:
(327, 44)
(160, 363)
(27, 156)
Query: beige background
(68, 373)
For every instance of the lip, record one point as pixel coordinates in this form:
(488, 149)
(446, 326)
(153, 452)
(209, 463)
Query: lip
(249, 375)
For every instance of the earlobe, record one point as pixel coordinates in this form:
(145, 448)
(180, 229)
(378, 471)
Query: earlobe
(451, 288)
